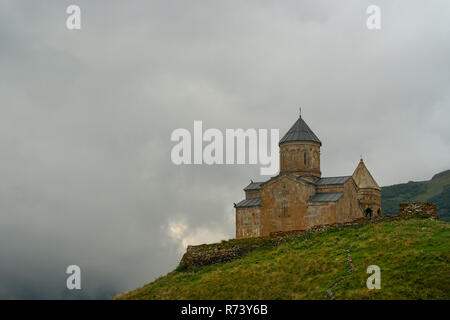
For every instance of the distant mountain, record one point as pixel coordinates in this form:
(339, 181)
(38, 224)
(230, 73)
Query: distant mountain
(436, 190)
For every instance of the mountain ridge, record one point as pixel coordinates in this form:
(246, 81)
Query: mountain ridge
(435, 190)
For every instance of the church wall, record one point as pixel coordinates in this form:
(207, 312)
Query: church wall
(252, 194)
(248, 222)
(370, 198)
(331, 188)
(300, 158)
(284, 205)
(348, 207)
(320, 213)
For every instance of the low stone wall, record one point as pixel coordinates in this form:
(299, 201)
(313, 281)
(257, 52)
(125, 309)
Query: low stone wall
(321, 228)
(418, 208)
(197, 257)
(208, 254)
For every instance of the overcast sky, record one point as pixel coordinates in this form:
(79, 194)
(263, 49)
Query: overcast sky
(86, 118)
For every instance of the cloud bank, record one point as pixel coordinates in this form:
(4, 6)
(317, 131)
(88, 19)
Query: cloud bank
(86, 176)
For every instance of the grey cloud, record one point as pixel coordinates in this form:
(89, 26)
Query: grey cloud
(86, 118)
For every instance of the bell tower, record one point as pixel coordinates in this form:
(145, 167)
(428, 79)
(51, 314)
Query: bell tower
(300, 150)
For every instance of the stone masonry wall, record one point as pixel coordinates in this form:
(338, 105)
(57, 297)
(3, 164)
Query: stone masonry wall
(418, 208)
(252, 194)
(284, 204)
(248, 222)
(300, 157)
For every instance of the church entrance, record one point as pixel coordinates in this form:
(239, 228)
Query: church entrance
(368, 213)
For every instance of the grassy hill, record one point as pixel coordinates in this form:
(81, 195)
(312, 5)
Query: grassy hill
(413, 254)
(436, 190)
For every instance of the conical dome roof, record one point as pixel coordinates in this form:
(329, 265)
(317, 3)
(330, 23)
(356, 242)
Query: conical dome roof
(300, 132)
(363, 178)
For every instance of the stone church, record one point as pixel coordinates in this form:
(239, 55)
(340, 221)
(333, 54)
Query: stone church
(299, 198)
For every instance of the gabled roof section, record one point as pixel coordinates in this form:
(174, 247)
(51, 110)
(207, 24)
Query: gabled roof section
(252, 202)
(326, 197)
(253, 186)
(363, 178)
(290, 176)
(300, 132)
(309, 175)
(304, 179)
(332, 180)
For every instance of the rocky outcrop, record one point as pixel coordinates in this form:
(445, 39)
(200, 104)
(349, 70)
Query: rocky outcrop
(418, 208)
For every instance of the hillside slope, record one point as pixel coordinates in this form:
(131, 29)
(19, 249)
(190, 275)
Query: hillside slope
(413, 254)
(436, 190)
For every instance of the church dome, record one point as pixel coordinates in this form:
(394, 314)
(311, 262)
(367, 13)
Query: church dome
(300, 132)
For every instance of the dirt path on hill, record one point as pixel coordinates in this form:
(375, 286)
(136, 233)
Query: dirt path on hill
(351, 267)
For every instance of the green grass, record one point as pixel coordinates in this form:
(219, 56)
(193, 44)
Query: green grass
(413, 255)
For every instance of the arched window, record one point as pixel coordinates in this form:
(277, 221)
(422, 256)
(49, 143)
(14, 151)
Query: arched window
(368, 213)
(304, 158)
(284, 209)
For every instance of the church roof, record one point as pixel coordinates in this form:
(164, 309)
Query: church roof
(326, 197)
(253, 186)
(332, 180)
(252, 202)
(363, 178)
(300, 132)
